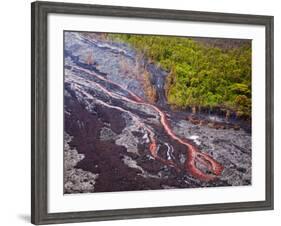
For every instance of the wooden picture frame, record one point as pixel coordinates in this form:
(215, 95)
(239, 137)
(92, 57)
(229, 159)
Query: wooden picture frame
(39, 109)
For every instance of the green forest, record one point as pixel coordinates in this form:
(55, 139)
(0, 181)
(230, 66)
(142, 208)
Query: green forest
(201, 76)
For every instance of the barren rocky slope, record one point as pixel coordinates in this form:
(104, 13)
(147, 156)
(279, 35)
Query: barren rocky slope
(121, 142)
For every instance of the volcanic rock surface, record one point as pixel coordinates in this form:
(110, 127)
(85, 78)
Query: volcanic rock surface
(116, 141)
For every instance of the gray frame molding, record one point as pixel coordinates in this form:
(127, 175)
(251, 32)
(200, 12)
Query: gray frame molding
(39, 122)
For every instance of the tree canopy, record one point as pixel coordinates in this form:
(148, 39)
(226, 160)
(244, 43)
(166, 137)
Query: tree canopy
(200, 75)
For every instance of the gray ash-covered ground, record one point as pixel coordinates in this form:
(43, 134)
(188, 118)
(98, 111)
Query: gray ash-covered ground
(108, 131)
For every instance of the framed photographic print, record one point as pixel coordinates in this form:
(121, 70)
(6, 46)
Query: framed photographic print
(140, 112)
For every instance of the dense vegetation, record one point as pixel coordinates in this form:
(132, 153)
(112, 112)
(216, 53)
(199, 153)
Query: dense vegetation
(200, 76)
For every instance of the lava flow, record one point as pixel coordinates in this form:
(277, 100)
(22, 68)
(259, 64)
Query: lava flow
(194, 156)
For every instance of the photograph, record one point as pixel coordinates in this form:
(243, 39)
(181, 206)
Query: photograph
(151, 112)
(143, 112)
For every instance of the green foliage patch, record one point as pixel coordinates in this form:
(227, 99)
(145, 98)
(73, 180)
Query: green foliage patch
(200, 75)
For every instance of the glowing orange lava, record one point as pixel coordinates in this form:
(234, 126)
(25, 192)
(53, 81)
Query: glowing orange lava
(194, 156)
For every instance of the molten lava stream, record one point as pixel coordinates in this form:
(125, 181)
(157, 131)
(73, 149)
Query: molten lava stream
(193, 154)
